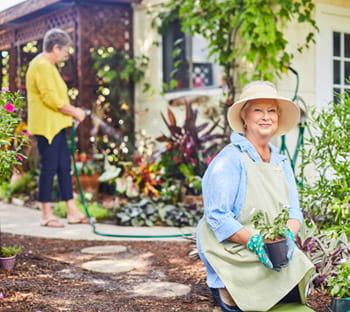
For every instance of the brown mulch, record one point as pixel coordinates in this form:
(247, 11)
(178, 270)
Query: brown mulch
(49, 278)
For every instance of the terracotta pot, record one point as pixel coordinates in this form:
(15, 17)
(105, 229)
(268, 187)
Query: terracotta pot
(88, 183)
(192, 199)
(8, 263)
(339, 305)
(277, 252)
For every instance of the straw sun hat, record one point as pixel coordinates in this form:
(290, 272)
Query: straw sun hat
(289, 112)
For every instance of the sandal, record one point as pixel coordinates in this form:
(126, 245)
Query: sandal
(83, 219)
(52, 222)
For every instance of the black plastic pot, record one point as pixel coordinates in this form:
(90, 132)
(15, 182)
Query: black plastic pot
(277, 252)
(339, 305)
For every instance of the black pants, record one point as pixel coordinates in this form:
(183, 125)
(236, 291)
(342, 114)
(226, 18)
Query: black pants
(54, 159)
(292, 296)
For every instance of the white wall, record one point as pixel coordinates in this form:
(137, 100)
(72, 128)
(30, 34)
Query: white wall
(330, 18)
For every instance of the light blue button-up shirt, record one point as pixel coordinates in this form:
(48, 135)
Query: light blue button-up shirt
(224, 187)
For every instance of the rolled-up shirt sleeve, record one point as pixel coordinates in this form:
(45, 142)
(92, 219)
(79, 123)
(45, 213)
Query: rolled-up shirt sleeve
(294, 206)
(221, 188)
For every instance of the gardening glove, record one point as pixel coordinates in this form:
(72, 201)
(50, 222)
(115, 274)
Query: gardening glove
(289, 235)
(256, 244)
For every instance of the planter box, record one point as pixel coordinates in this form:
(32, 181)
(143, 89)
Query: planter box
(339, 305)
(277, 252)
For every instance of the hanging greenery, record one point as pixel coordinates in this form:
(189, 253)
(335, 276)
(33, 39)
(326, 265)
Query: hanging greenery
(117, 73)
(246, 37)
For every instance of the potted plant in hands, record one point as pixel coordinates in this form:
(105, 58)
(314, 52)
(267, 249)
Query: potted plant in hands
(273, 234)
(8, 256)
(339, 286)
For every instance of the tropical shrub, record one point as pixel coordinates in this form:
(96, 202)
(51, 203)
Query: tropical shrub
(325, 250)
(188, 150)
(326, 195)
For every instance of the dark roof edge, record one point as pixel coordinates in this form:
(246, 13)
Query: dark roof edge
(30, 6)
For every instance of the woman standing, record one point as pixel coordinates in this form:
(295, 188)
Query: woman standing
(49, 114)
(249, 175)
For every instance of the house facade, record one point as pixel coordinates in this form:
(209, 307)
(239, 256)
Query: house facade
(322, 69)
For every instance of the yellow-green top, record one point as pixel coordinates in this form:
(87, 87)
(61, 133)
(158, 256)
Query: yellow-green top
(46, 93)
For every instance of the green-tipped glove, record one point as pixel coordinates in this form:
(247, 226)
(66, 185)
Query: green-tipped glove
(256, 244)
(289, 235)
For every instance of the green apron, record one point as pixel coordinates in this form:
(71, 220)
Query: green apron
(252, 286)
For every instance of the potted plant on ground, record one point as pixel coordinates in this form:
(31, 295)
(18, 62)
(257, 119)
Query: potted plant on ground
(339, 286)
(8, 256)
(273, 235)
(88, 168)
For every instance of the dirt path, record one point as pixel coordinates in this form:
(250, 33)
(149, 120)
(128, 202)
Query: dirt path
(49, 277)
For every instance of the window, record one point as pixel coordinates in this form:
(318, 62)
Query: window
(332, 46)
(341, 62)
(185, 61)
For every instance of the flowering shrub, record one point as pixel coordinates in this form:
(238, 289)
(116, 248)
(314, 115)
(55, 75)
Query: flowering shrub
(139, 178)
(12, 138)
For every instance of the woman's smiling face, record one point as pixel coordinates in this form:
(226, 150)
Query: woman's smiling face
(260, 118)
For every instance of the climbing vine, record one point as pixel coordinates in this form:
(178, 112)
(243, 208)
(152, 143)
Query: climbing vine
(246, 37)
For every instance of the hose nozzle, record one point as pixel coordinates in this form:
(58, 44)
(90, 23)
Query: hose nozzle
(87, 111)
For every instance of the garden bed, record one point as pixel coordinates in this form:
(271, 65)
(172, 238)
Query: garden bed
(49, 278)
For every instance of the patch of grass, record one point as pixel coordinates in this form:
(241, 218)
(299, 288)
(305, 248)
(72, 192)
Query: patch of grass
(96, 211)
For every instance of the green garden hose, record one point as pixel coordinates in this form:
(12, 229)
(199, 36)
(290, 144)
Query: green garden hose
(300, 139)
(92, 223)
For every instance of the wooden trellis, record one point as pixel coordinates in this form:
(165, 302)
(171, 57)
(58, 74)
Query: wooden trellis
(91, 24)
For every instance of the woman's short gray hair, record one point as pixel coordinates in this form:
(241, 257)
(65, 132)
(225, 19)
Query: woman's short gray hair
(56, 36)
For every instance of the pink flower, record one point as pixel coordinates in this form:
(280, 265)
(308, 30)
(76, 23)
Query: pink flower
(19, 157)
(176, 159)
(9, 107)
(26, 133)
(5, 89)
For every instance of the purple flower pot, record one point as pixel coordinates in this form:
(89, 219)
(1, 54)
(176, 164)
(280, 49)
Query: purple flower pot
(277, 252)
(8, 263)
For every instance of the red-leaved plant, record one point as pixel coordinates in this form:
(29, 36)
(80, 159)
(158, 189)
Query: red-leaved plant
(189, 144)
